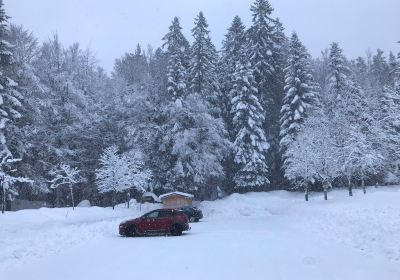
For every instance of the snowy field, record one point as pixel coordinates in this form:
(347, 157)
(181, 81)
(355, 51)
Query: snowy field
(254, 236)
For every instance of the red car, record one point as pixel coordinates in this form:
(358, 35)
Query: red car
(168, 221)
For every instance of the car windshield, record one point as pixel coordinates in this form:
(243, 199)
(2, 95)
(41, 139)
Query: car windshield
(151, 215)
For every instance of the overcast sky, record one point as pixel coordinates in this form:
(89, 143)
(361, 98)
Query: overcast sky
(111, 28)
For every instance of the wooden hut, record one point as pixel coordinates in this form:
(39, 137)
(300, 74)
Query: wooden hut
(149, 197)
(176, 199)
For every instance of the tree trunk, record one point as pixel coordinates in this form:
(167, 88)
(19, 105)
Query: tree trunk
(128, 198)
(58, 197)
(363, 186)
(113, 200)
(72, 198)
(325, 194)
(350, 187)
(306, 193)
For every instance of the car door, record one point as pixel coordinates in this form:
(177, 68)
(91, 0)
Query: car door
(149, 223)
(164, 220)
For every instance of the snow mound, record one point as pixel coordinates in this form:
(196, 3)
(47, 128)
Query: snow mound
(249, 205)
(84, 203)
(370, 223)
(30, 234)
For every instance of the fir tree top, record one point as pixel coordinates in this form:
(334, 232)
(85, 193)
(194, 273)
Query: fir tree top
(261, 41)
(175, 41)
(338, 71)
(234, 40)
(261, 10)
(5, 53)
(204, 59)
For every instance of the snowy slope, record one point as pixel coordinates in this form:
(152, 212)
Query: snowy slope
(370, 223)
(29, 234)
(254, 236)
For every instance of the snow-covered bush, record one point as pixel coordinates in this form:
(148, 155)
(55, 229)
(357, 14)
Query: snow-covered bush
(119, 173)
(65, 175)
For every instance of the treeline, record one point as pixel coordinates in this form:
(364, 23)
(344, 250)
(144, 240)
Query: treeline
(260, 114)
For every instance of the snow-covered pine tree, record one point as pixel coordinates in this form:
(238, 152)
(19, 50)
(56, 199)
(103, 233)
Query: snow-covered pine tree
(177, 48)
(391, 128)
(133, 68)
(231, 53)
(392, 71)
(158, 67)
(338, 73)
(199, 146)
(250, 145)
(261, 46)
(25, 50)
(204, 58)
(232, 49)
(266, 52)
(380, 69)
(280, 57)
(232, 46)
(300, 93)
(361, 72)
(10, 113)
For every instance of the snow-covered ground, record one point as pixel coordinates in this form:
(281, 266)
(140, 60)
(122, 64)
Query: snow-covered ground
(254, 236)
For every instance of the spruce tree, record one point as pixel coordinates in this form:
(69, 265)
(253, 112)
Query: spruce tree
(178, 59)
(10, 108)
(204, 58)
(231, 53)
(261, 44)
(232, 49)
(361, 70)
(393, 66)
(380, 69)
(233, 44)
(266, 52)
(250, 144)
(391, 125)
(338, 73)
(300, 93)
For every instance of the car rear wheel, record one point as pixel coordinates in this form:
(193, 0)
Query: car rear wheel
(131, 231)
(176, 230)
(192, 219)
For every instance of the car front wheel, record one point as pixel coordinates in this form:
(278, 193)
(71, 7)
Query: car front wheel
(131, 231)
(176, 230)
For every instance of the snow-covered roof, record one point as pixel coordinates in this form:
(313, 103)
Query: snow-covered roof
(150, 194)
(176, 193)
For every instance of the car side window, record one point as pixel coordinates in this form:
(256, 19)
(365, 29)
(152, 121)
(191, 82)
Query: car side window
(164, 214)
(152, 215)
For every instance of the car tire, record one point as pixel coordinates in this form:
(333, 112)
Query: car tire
(192, 219)
(196, 220)
(131, 231)
(176, 230)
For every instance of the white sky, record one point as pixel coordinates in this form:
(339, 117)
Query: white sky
(111, 28)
